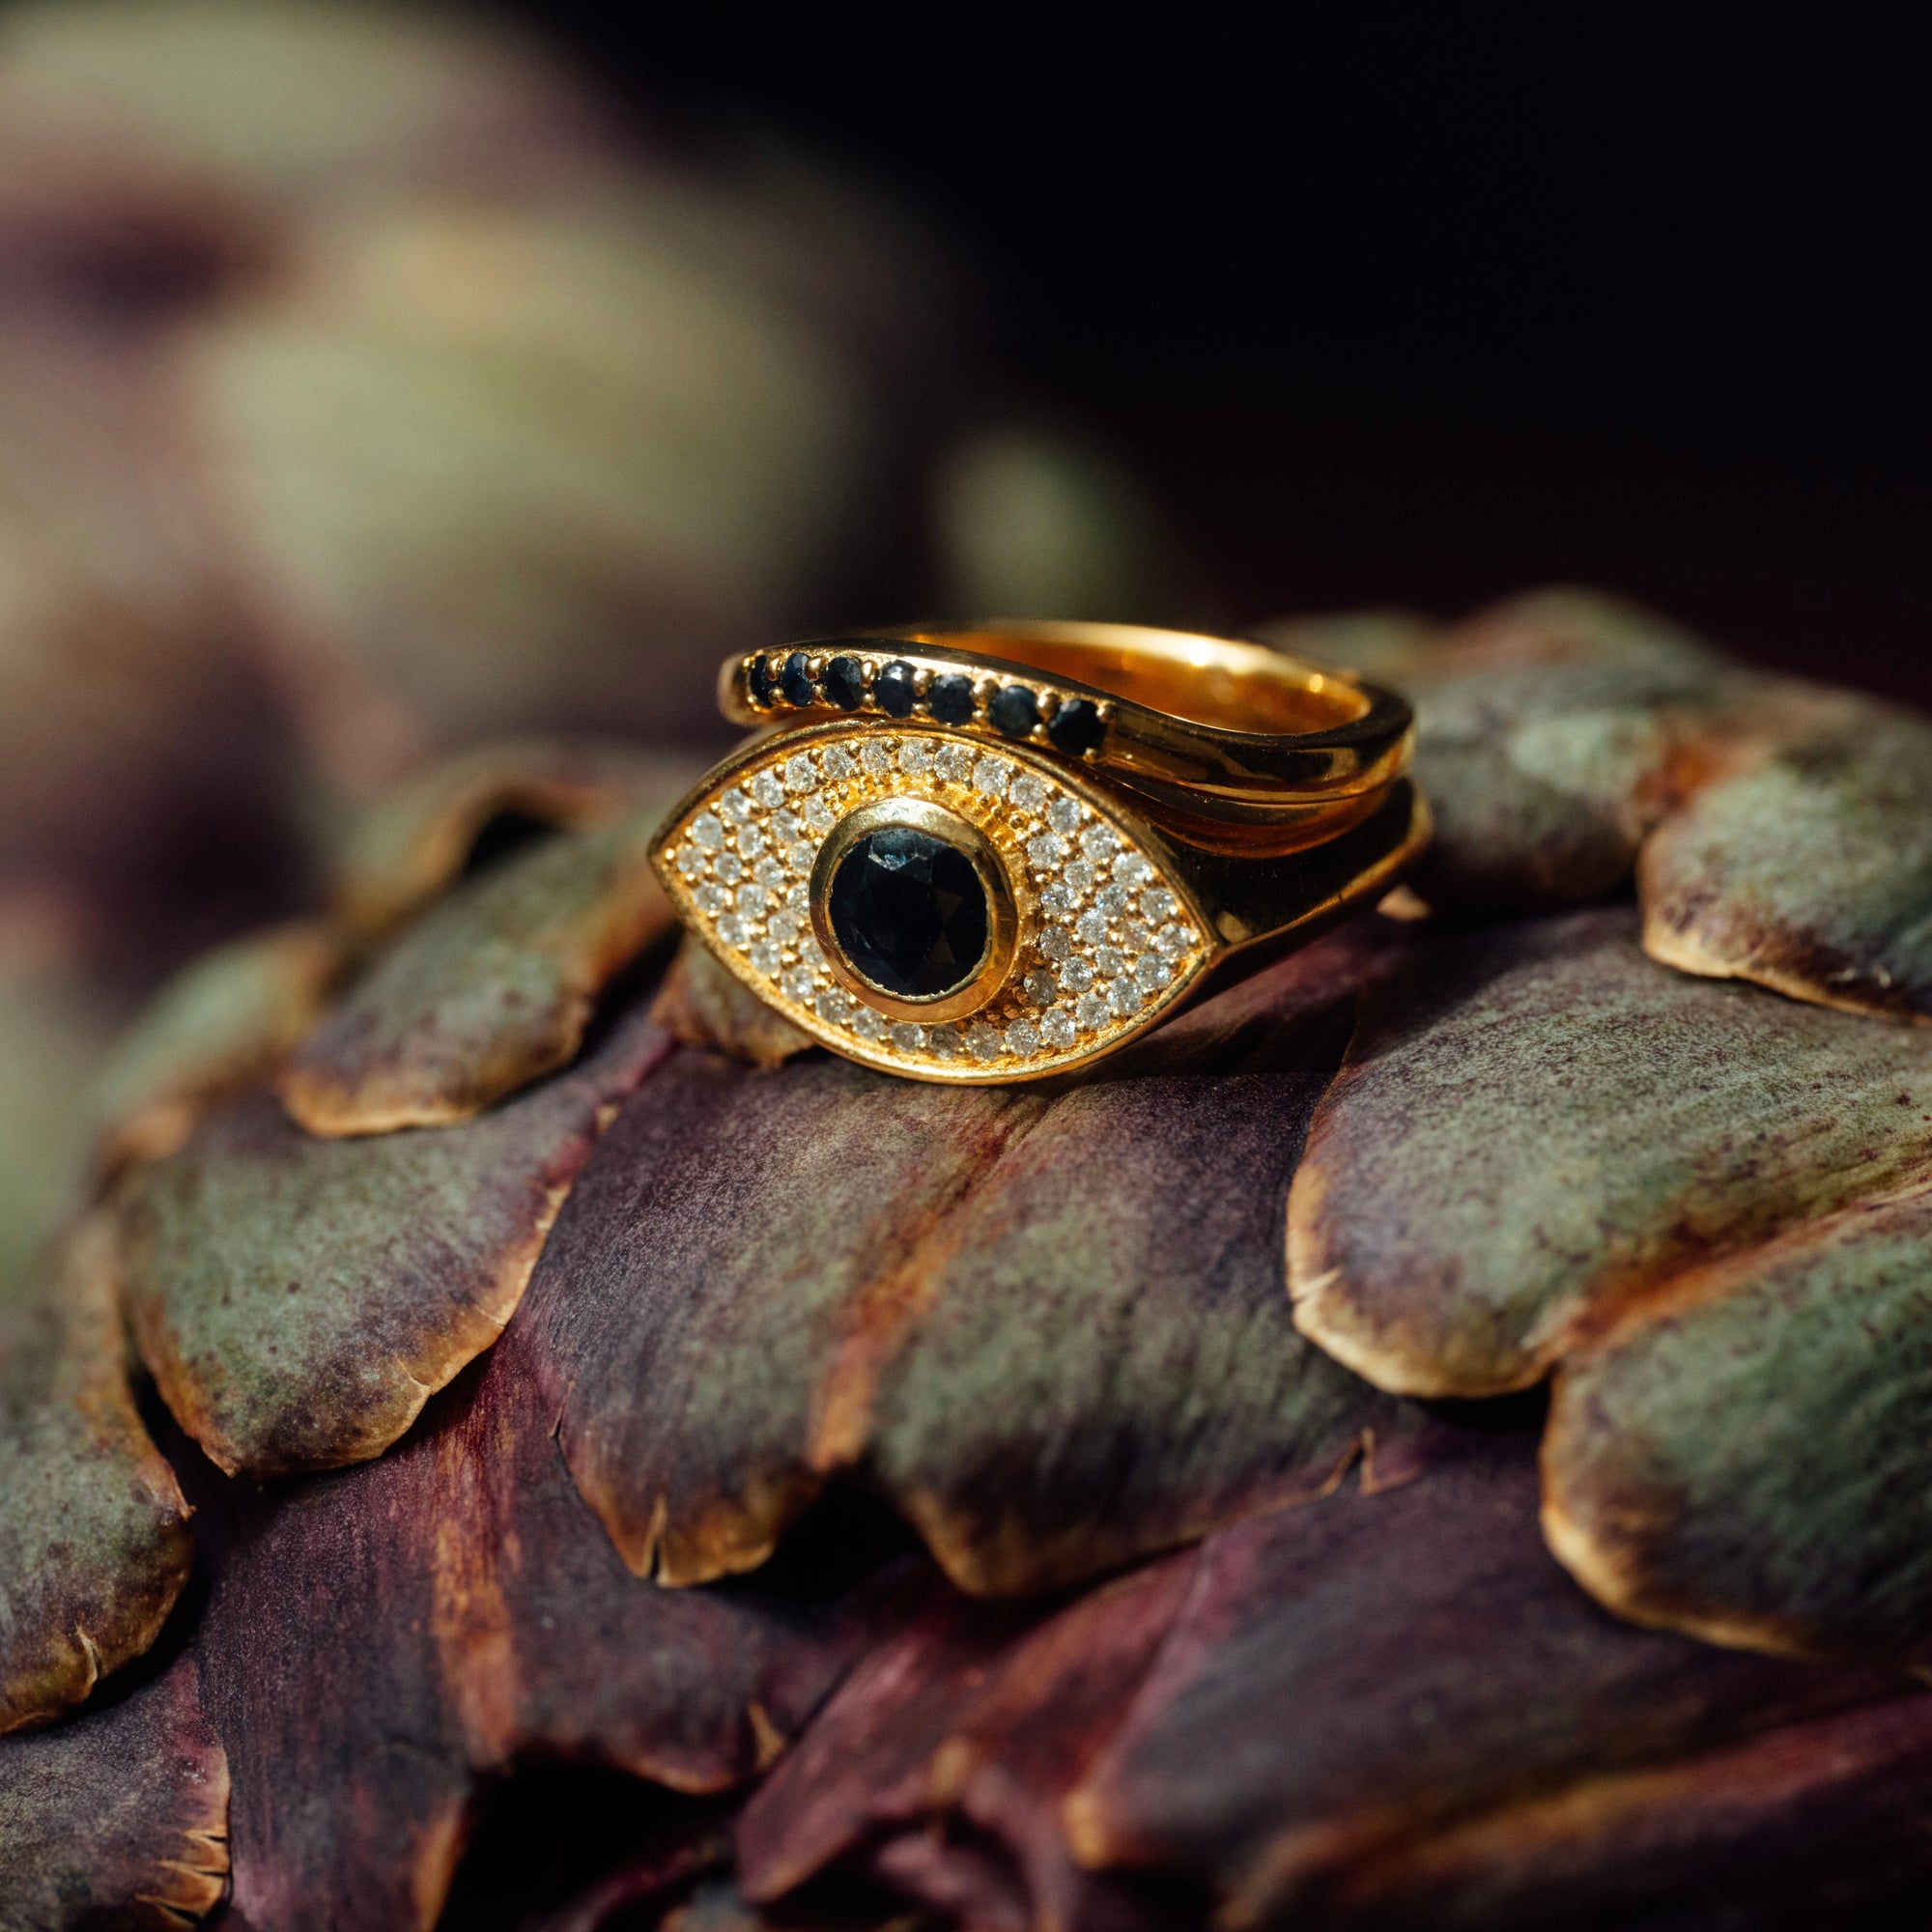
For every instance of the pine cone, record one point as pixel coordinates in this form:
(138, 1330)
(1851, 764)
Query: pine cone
(947, 1502)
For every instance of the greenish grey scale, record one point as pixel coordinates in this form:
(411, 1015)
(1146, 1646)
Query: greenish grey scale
(93, 1539)
(1814, 869)
(1757, 1458)
(298, 1298)
(1114, 1279)
(53, 1035)
(1544, 779)
(1536, 1117)
(493, 985)
(230, 1009)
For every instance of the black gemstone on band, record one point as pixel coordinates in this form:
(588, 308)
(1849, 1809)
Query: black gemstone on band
(950, 699)
(894, 691)
(797, 680)
(844, 682)
(909, 911)
(759, 680)
(1077, 726)
(1014, 710)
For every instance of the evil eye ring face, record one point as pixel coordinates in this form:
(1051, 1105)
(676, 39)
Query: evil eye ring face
(926, 904)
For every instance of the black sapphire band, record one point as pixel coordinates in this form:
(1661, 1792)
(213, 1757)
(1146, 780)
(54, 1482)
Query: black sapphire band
(1232, 734)
(999, 853)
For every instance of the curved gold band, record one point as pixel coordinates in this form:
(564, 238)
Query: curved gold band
(1050, 836)
(1234, 742)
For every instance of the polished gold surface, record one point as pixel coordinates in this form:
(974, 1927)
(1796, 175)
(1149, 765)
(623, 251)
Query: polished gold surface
(995, 870)
(1250, 741)
(1225, 805)
(1219, 682)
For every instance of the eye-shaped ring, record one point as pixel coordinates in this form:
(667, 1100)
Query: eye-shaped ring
(943, 898)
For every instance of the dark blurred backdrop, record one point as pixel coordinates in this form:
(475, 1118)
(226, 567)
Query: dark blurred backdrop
(1423, 306)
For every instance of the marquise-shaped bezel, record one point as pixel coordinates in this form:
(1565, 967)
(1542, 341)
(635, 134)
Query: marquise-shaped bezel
(1109, 937)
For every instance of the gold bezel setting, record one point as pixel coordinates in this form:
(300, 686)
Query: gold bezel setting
(1103, 937)
(1003, 917)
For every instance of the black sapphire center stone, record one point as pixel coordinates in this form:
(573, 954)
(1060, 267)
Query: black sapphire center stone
(909, 911)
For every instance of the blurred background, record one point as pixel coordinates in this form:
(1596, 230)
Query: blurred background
(374, 381)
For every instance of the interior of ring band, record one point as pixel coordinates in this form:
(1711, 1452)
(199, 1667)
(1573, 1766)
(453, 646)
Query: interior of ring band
(1206, 680)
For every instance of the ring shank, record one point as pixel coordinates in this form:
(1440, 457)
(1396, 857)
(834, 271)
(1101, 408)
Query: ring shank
(1217, 682)
(1230, 745)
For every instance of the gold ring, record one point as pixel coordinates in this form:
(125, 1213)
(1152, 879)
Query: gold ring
(996, 853)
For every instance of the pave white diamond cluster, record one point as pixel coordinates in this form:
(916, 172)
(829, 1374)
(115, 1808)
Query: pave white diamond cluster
(1107, 937)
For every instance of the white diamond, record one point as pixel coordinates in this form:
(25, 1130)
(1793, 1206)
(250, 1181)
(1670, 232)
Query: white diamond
(713, 899)
(990, 776)
(799, 857)
(1079, 877)
(1058, 902)
(946, 1043)
(1099, 843)
(982, 1042)
(799, 775)
(1112, 900)
(751, 901)
(1174, 940)
(732, 930)
(750, 842)
(1160, 904)
(1041, 988)
(1075, 977)
(809, 957)
(800, 981)
(1064, 815)
(908, 1037)
(1135, 935)
(869, 1025)
(766, 956)
(1109, 963)
(1152, 971)
(729, 868)
(915, 756)
(838, 762)
(1123, 997)
(1022, 1038)
(1132, 870)
(1092, 1012)
(1043, 852)
(1091, 928)
(800, 897)
(787, 826)
(955, 762)
(785, 926)
(708, 830)
(876, 759)
(1055, 942)
(834, 1004)
(766, 788)
(769, 873)
(1028, 792)
(735, 805)
(1055, 1027)
(691, 862)
(819, 816)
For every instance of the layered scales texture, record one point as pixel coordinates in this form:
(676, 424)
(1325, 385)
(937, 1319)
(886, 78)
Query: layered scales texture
(1007, 1506)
